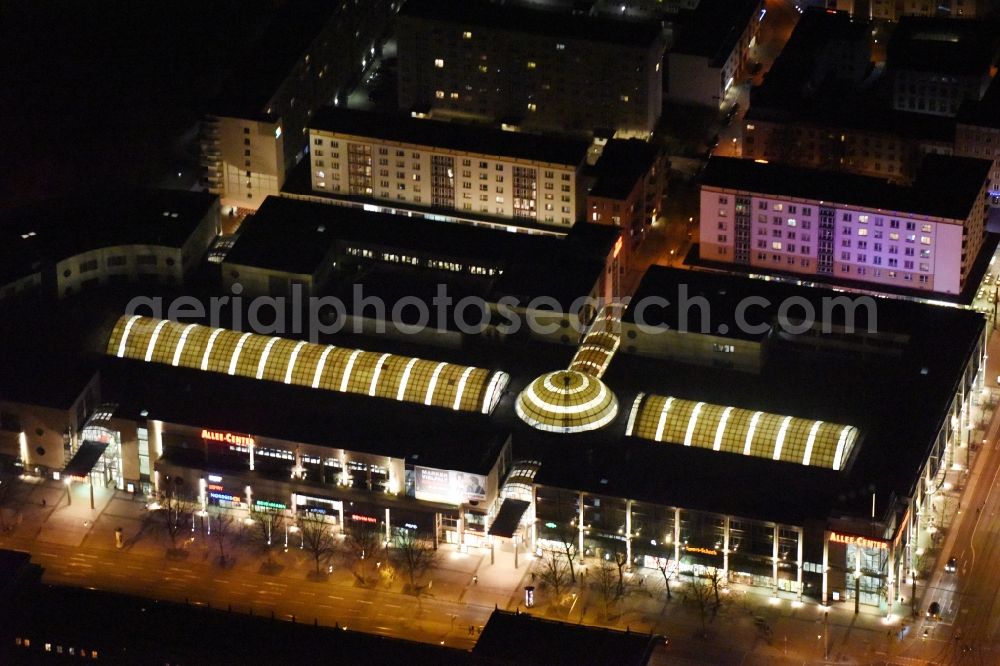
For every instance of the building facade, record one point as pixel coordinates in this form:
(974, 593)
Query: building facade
(840, 235)
(256, 131)
(533, 68)
(448, 167)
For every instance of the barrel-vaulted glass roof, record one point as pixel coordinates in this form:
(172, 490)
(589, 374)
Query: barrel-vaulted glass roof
(743, 431)
(403, 378)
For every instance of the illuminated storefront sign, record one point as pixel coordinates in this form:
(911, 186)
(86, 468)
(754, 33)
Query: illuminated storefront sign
(363, 519)
(700, 550)
(264, 504)
(227, 437)
(862, 542)
(225, 497)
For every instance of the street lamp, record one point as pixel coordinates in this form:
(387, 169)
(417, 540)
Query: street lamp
(69, 496)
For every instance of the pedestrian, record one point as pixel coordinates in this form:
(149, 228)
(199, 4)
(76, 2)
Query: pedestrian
(475, 580)
(43, 501)
(472, 630)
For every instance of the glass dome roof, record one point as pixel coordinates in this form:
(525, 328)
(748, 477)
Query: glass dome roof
(567, 401)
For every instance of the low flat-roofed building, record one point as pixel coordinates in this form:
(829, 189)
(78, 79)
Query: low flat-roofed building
(629, 189)
(938, 63)
(529, 66)
(290, 242)
(711, 50)
(977, 134)
(774, 217)
(447, 167)
(304, 55)
(61, 246)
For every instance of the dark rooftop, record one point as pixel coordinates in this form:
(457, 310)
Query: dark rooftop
(515, 18)
(36, 236)
(521, 638)
(451, 135)
(713, 28)
(985, 112)
(295, 236)
(621, 165)
(946, 186)
(174, 633)
(944, 45)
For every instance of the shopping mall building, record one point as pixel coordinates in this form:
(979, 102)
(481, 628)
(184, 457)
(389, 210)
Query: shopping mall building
(795, 456)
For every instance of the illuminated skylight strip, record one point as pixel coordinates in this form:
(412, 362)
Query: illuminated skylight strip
(291, 361)
(152, 340)
(543, 406)
(633, 414)
(406, 379)
(348, 369)
(376, 373)
(691, 423)
(663, 420)
(461, 387)
(263, 357)
(717, 445)
(810, 441)
(181, 343)
(497, 383)
(428, 399)
(838, 458)
(236, 352)
(320, 365)
(125, 333)
(779, 441)
(753, 426)
(208, 347)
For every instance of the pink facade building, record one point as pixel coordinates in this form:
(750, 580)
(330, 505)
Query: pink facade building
(838, 226)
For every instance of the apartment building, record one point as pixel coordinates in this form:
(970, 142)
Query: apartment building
(935, 64)
(977, 134)
(778, 218)
(629, 190)
(255, 132)
(448, 166)
(711, 49)
(535, 68)
(893, 10)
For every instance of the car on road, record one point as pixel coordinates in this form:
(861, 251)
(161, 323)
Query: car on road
(951, 565)
(934, 611)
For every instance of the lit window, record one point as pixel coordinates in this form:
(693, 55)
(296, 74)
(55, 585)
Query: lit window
(483, 69)
(791, 222)
(926, 228)
(862, 231)
(454, 95)
(438, 62)
(531, 64)
(863, 219)
(624, 98)
(925, 240)
(560, 47)
(776, 245)
(439, 94)
(532, 107)
(466, 35)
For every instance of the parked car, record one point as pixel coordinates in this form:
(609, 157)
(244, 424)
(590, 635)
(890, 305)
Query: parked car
(934, 611)
(951, 565)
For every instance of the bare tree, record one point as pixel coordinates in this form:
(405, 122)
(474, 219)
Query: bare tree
(177, 511)
(663, 566)
(223, 528)
(553, 571)
(317, 538)
(700, 592)
(714, 577)
(619, 555)
(568, 537)
(605, 583)
(269, 521)
(365, 546)
(413, 553)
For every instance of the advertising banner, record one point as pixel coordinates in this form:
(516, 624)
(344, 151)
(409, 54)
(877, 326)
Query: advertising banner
(448, 486)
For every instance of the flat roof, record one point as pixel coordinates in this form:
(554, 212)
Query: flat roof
(984, 112)
(621, 165)
(713, 28)
(520, 19)
(297, 236)
(458, 136)
(523, 638)
(36, 236)
(946, 186)
(944, 45)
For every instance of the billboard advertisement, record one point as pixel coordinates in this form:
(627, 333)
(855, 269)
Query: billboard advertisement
(440, 485)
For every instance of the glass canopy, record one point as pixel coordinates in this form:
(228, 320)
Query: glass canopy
(743, 431)
(402, 378)
(567, 401)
